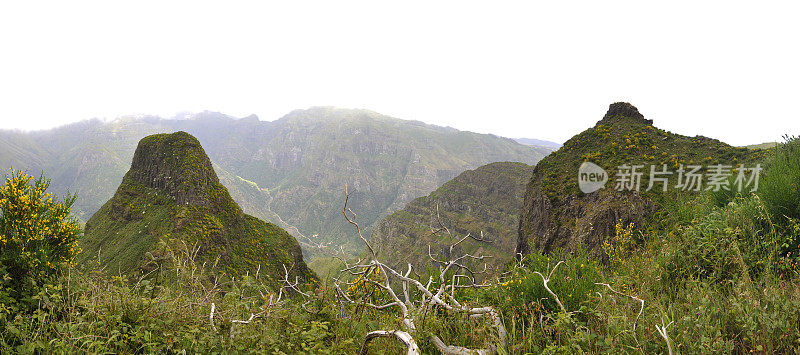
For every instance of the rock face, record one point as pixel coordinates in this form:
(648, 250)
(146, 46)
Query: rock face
(171, 194)
(595, 216)
(176, 164)
(485, 200)
(556, 214)
(624, 109)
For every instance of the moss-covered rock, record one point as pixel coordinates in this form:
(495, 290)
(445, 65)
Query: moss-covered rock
(172, 193)
(556, 214)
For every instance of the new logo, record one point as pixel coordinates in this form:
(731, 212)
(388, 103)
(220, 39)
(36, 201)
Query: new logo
(591, 177)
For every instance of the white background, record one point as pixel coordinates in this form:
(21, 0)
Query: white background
(727, 70)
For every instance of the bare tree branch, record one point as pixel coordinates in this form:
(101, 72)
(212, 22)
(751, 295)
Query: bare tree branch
(345, 209)
(641, 308)
(403, 337)
(454, 273)
(662, 330)
(546, 280)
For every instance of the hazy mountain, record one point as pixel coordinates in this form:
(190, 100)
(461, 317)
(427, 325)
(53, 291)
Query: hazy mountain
(766, 145)
(291, 171)
(482, 202)
(172, 194)
(538, 143)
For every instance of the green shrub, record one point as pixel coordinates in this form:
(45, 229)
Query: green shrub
(573, 281)
(779, 186)
(722, 243)
(723, 196)
(37, 234)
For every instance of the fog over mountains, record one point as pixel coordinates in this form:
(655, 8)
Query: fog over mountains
(291, 172)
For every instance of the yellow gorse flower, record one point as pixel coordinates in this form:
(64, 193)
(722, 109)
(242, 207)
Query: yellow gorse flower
(615, 248)
(35, 230)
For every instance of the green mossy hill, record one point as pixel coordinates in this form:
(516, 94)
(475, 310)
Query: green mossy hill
(485, 200)
(557, 214)
(172, 194)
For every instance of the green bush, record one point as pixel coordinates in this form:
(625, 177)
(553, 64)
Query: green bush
(723, 196)
(779, 186)
(722, 243)
(573, 281)
(37, 235)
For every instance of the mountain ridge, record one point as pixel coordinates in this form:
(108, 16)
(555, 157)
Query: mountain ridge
(303, 159)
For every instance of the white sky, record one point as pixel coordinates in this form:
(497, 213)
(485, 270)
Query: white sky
(534, 69)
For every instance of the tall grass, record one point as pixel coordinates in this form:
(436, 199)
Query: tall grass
(780, 186)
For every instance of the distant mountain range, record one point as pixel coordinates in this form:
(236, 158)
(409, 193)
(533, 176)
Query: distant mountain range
(762, 145)
(538, 143)
(291, 172)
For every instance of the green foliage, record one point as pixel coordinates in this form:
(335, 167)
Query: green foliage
(726, 308)
(722, 243)
(37, 235)
(166, 312)
(780, 185)
(573, 281)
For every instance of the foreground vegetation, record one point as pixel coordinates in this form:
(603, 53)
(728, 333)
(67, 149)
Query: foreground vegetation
(709, 273)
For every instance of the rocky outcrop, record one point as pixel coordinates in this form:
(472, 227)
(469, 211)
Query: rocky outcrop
(557, 214)
(174, 163)
(624, 109)
(594, 217)
(172, 197)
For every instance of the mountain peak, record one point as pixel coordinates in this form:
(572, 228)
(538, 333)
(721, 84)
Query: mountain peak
(175, 163)
(171, 194)
(558, 214)
(624, 109)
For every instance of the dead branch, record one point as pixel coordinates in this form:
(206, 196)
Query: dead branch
(662, 330)
(454, 274)
(266, 310)
(294, 287)
(351, 220)
(211, 316)
(641, 308)
(546, 280)
(401, 336)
